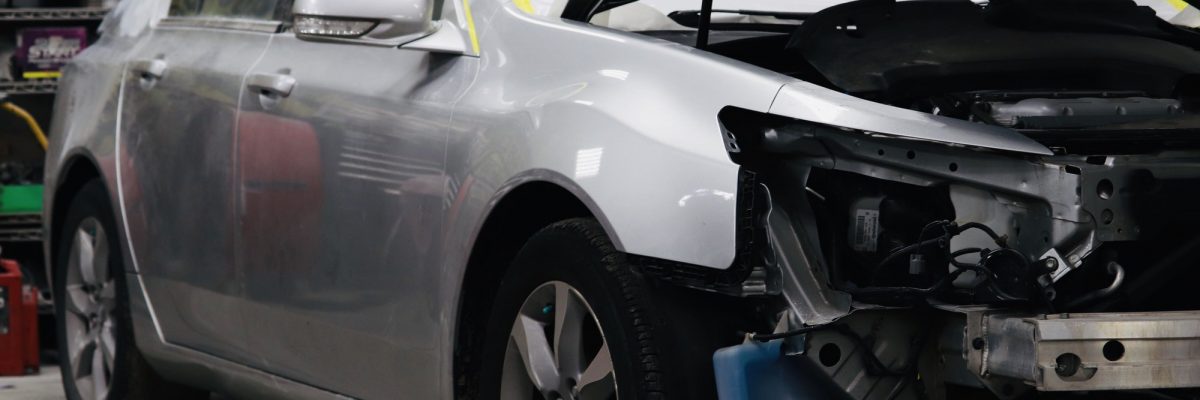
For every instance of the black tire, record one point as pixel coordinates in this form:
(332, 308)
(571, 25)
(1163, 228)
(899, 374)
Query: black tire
(662, 357)
(132, 377)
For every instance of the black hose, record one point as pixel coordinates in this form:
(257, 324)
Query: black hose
(1000, 240)
(962, 252)
(987, 276)
(952, 231)
(946, 235)
(905, 251)
(944, 224)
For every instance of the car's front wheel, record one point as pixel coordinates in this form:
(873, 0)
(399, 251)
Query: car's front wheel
(95, 335)
(573, 320)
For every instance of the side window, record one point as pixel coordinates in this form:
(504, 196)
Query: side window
(241, 9)
(283, 11)
(184, 8)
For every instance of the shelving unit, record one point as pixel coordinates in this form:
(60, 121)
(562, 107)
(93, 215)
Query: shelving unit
(21, 230)
(38, 16)
(40, 86)
(52, 14)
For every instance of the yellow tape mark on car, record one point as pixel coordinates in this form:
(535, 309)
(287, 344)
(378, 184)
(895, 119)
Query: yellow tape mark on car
(1178, 4)
(526, 6)
(471, 26)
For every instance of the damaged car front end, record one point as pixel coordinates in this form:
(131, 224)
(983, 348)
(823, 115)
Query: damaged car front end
(1011, 253)
(957, 229)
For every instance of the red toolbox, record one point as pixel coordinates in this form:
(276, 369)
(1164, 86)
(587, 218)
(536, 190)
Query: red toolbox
(18, 323)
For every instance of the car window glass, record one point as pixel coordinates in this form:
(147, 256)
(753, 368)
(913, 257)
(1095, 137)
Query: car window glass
(242, 9)
(283, 11)
(184, 8)
(255, 9)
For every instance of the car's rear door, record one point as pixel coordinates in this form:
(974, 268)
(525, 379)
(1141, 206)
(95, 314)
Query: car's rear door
(342, 194)
(176, 147)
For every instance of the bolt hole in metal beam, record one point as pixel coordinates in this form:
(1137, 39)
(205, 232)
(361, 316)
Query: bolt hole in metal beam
(830, 354)
(1113, 350)
(1106, 216)
(1067, 365)
(1104, 189)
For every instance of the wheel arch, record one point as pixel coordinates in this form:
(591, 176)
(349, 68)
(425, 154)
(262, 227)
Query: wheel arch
(75, 173)
(518, 212)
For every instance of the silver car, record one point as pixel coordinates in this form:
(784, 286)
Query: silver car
(596, 199)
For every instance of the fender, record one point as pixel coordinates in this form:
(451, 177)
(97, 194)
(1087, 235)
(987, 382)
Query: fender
(642, 142)
(548, 176)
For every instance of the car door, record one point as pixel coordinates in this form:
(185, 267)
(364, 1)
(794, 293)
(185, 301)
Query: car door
(176, 146)
(341, 154)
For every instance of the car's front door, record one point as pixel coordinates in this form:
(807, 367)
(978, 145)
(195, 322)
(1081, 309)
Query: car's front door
(177, 175)
(341, 153)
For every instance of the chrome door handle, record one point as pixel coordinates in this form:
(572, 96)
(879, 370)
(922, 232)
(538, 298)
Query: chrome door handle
(274, 85)
(149, 70)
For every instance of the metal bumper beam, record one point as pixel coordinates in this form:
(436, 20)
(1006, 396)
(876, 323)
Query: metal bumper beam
(1104, 351)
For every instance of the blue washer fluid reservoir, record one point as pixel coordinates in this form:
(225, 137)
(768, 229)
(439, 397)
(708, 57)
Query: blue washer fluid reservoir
(760, 371)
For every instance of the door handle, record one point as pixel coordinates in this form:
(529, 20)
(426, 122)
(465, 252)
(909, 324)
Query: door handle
(272, 85)
(150, 70)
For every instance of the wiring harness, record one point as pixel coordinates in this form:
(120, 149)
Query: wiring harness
(1002, 274)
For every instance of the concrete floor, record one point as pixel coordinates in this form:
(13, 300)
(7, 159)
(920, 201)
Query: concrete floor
(44, 386)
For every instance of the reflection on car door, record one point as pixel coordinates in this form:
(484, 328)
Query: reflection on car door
(341, 154)
(176, 145)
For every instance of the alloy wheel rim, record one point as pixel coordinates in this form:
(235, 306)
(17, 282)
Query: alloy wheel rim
(557, 350)
(90, 302)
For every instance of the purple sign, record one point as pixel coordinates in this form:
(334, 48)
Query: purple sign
(42, 52)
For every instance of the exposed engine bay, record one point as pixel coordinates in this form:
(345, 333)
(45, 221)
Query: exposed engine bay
(1023, 64)
(1008, 275)
(1079, 59)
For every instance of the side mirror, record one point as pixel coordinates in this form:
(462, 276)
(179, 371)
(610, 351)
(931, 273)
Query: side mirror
(377, 22)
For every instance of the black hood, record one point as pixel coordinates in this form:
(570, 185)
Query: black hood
(892, 51)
